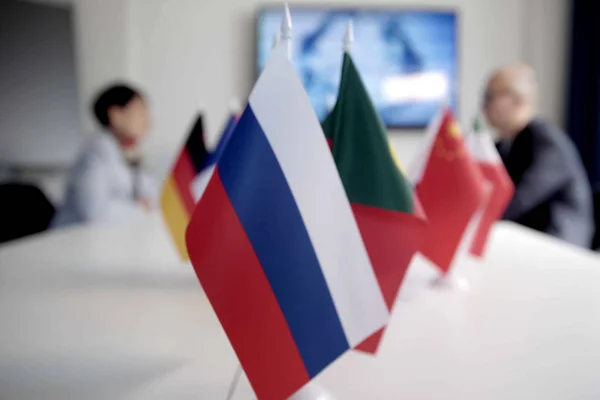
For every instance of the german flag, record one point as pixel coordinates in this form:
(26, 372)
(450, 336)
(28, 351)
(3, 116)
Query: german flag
(177, 199)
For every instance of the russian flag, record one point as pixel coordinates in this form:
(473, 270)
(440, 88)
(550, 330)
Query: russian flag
(275, 245)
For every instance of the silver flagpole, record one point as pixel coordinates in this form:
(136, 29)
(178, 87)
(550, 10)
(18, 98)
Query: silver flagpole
(286, 30)
(234, 383)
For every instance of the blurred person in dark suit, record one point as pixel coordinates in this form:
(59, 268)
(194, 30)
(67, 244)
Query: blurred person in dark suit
(107, 183)
(552, 192)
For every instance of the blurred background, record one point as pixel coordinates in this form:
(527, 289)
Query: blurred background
(188, 56)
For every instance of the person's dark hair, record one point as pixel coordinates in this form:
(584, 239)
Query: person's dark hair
(115, 95)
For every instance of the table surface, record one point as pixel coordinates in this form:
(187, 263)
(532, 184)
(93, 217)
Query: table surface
(110, 313)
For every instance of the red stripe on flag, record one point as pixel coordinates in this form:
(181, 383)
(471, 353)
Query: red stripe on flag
(238, 289)
(391, 238)
(184, 173)
(501, 195)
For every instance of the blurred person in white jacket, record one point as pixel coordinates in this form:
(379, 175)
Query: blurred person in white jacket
(107, 183)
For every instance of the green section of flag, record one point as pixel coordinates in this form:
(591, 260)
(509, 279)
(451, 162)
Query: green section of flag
(360, 148)
(477, 124)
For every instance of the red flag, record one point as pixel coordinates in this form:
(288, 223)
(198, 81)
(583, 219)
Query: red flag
(485, 154)
(451, 189)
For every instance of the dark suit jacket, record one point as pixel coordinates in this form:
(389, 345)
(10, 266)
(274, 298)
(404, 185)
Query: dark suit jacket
(552, 192)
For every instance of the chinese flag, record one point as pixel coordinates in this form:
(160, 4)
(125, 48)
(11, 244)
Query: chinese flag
(451, 189)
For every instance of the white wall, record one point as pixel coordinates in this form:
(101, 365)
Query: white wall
(547, 34)
(104, 48)
(198, 54)
(105, 44)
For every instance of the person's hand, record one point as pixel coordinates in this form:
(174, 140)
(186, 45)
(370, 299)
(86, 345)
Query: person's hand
(145, 204)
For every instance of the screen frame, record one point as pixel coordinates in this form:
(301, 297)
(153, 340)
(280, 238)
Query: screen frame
(374, 8)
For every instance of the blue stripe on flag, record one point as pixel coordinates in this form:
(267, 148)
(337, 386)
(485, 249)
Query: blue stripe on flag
(269, 214)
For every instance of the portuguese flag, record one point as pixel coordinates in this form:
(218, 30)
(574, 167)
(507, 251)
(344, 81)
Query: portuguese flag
(383, 202)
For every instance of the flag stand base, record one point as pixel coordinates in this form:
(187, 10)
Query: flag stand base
(450, 282)
(312, 391)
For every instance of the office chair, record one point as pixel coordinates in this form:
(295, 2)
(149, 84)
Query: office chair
(24, 210)
(596, 243)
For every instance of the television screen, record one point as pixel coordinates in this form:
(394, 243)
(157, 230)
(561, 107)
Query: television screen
(407, 58)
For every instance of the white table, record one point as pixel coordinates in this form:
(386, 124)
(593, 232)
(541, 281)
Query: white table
(110, 313)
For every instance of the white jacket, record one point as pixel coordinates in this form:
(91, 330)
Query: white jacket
(100, 189)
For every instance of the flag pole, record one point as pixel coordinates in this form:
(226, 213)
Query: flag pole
(349, 37)
(235, 107)
(234, 384)
(286, 30)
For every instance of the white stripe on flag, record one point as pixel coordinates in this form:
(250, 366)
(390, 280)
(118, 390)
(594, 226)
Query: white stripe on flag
(469, 235)
(417, 167)
(285, 114)
(483, 148)
(200, 182)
